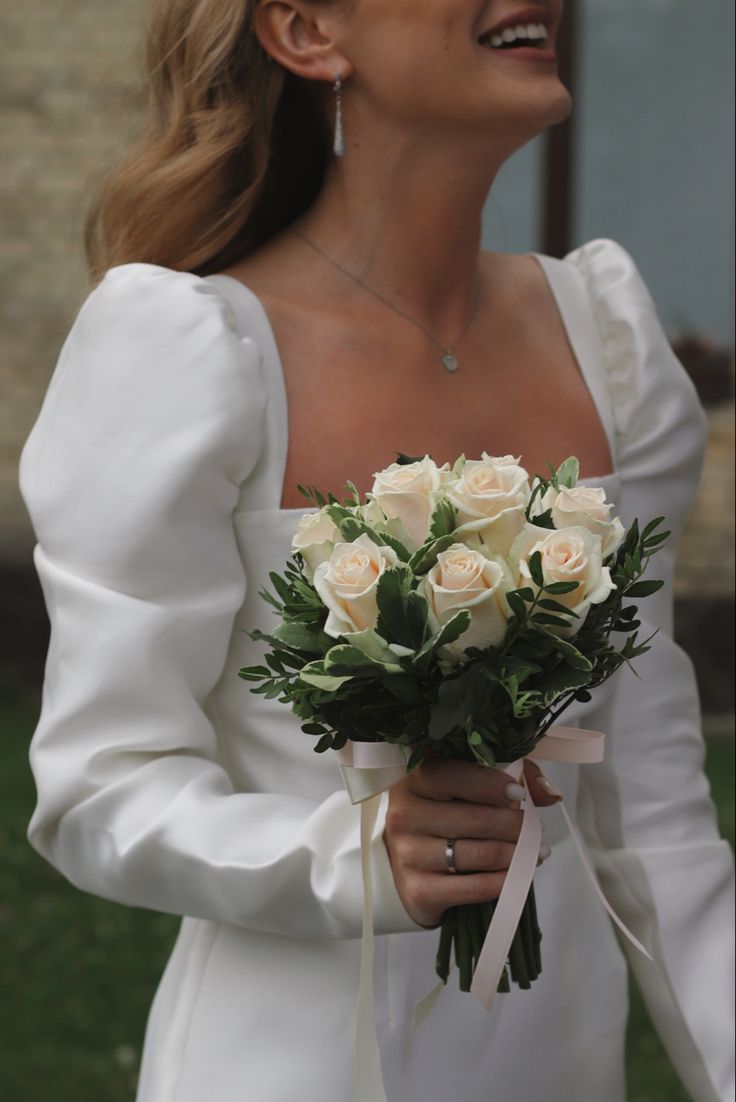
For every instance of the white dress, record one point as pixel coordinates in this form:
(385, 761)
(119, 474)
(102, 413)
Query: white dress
(153, 478)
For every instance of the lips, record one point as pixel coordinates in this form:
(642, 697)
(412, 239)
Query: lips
(533, 13)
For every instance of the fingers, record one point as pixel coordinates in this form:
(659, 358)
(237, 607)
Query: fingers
(458, 819)
(442, 780)
(428, 854)
(429, 896)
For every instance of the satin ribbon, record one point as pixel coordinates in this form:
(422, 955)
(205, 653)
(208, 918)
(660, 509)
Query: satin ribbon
(368, 769)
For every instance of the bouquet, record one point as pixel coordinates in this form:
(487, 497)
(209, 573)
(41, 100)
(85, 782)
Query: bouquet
(456, 611)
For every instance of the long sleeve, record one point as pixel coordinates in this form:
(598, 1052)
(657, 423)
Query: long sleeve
(153, 422)
(646, 811)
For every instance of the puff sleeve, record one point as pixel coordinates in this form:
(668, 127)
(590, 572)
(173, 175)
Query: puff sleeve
(646, 811)
(153, 421)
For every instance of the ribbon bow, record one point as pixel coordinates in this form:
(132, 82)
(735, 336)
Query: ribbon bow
(368, 769)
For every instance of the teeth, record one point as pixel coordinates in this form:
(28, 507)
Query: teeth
(534, 32)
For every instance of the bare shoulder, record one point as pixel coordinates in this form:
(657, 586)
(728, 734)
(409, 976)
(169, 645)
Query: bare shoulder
(518, 276)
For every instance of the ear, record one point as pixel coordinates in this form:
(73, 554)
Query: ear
(299, 35)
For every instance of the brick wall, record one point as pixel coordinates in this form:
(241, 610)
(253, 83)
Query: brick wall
(66, 93)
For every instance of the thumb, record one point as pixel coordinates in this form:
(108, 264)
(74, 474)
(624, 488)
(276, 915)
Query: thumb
(544, 792)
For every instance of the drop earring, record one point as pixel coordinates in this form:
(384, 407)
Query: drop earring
(338, 147)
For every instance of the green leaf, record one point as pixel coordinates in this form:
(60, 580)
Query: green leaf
(254, 673)
(567, 473)
(570, 653)
(548, 619)
(653, 542)
(313, 729)
(561, 587)
(399, 620)
(323, 681)
(325, 743)
(555, 606)
(517, 605)
(404, 688)
(425, 557)
(555, 683)
(453, 629)
(444, 519)
(649, 528)
(544, 520)
(643, 589)
(407, 460)
(298, 637)
(344, 660)
(480, 749)
(370, 643)
(535, 568)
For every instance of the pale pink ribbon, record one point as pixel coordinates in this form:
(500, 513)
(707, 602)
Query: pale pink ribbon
(368, 769)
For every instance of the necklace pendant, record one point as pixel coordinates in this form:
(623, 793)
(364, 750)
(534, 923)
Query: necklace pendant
(449, 362)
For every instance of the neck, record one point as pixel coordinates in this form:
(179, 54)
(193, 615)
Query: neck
(405, 217)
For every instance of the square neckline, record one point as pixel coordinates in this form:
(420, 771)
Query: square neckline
(584, 341)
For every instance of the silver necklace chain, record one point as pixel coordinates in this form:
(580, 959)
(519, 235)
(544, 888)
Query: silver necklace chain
(449, 359)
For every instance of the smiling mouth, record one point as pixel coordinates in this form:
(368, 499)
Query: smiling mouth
(520, 35)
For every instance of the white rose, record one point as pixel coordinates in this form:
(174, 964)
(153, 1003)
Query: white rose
(347, 584)
(466, 578)
(586, 507)
(371, 514)
(408, 493)
(568, 555)
(315, 537)
(490, 496)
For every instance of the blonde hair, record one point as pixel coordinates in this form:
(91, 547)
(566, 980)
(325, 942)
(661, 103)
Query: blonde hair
(233, 148)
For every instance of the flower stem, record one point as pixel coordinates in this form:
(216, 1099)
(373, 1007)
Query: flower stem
(517, 960)
(463, 948)
(449, 925)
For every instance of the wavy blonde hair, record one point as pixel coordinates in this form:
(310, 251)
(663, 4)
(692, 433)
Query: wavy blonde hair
(233, 147)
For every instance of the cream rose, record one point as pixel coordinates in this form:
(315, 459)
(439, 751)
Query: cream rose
(569, 555)
(465, 578)
(490, 496)
(347, 584)
(586, 507)
(408, 492)
(315, 537)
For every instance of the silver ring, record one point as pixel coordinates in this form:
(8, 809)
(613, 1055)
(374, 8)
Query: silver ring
(450, 855)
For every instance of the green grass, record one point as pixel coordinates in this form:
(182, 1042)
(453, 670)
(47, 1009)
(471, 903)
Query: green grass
(78, 974)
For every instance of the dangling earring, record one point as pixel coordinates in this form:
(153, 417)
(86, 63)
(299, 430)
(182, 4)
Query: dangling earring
(338, 147)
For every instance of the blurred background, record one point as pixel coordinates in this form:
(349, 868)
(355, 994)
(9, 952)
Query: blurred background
(647, 159)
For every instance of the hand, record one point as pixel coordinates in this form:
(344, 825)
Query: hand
(454, 799)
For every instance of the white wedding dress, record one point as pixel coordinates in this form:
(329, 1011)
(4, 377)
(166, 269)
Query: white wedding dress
(153, 478)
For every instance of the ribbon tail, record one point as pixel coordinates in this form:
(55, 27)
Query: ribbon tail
(497, 944)
(596, 886)
(368, 1073)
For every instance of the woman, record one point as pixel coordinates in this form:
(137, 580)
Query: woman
(249, 265)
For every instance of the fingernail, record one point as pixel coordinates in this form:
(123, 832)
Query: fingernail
(548, 786)
(515, 792)
(544, 851)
